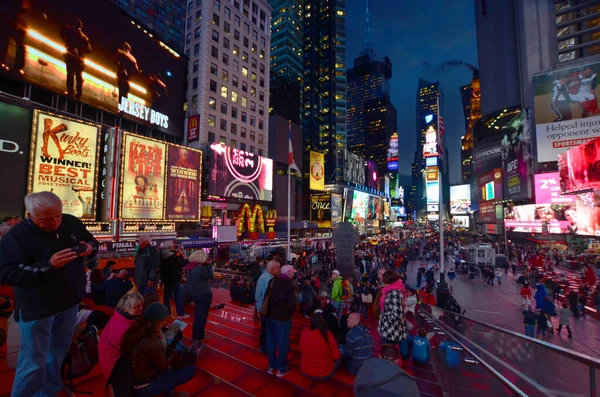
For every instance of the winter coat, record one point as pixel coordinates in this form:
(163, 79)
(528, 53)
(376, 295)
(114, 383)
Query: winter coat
(317, 357)
(109, 345)
(565, 316)
(383, 378)
(336, 289)
(529, 317)
(170, 268)
(283, 299)
(358, 348)
(114, 290)
(391, 322)
(397, 286)
(198, 275)
(540, 295)
(147, 265)
(261, 288)
(149, 358)
(526, 292)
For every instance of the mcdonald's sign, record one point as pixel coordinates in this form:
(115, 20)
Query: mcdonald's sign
(250, 220)
(193, 134)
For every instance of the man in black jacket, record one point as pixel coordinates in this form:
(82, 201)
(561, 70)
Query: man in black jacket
(172, 263)
(282, 305)
(147, 265)
(43, 259)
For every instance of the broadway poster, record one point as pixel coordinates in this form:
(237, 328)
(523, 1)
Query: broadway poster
(64, 159)
(183, 183)
(142, 178)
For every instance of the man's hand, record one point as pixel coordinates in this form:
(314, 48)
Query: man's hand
(89, 248)
(63, 257)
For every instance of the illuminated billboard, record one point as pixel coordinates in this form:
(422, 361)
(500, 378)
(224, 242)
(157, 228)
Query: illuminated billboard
(320, 209)
(490, 186)
(392, 153)
(460, 199)
(373, 209)
(430, 145)
(460, 221)
(372, 175)
(566, 109)
(235, 173)
(142, 178)
(516, 156)
(580, 167)
(433, 192)
(431, 174)
(64, 159)
(183, 183)
(93, 53)
(360, 202)
(336, 209)
(431, 161)
(317, 171)
(547, 190)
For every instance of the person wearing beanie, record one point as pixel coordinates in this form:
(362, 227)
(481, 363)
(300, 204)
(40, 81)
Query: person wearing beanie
(151, 357)
(198, 271)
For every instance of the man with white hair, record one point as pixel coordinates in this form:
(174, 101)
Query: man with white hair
(273, 269)
(43, 259)
(147, 265)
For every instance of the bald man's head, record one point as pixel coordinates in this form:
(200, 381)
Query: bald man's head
(273, 267)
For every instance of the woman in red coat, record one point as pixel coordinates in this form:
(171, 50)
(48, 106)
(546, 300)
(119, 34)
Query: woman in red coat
(319, 352)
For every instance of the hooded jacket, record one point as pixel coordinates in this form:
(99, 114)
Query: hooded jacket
(336, 289)
(540, 295)
(383, 378)
(397, 286)
(198, 275)
(109, 345)
(317, 357)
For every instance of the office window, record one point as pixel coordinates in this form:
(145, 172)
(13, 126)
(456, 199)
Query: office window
(244, 101)
(233, 129)
(261, 96)
(197, 32)
(236, 34)
(261, 82)
(246, 42)
(216, 19)
(261, 126)
(236, 66)
(244, 117)
(253, 48)
(243, 132)
(194, 83)
(252, 121)
(215, 35)
(214, 70)
(214, 51)
(226, 27)
(188, 38)
(253, 91)
(223, 125)
(263, 41)
(244, 86)
(227, 12)
(234, 112)
(196, 49)
(262, 54)
(253, 106)
(251, 149)
(225, 59)
(223, 107)
(194, 101)
(211, 137)
(217, 4)
(261, 110)
(212, 120)
(243, 146)
(213, 86)
(195, 66)
(198, 16)
(253, 76)
(233, 143)
(212, 103)
(224, 75)
(254, 34)
(260, 152)
(260, 138)
(254, 63)
(236, 20)
(224, 92)
(246, 28)
(225, 43)
(234, 96)
(244, 71)
(245, 56)
(235, 81)
(262, 68)
(236, 50)
(252, 136)
(223, 140)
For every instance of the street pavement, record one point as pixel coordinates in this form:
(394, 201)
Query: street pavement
(501, 306)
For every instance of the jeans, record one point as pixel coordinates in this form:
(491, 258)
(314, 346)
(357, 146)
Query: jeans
(336, 365)
(541, 330)
(167, 381)
(142, 289)
(44, 345)
(278, 343)
(529, 330)
(175, 290)
(202, 304)
(568, 329)
(499, 280)
(338, 307)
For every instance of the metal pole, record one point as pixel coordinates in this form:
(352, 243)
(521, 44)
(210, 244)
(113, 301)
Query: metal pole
(289, 202)
(441, 192)
(592, 381)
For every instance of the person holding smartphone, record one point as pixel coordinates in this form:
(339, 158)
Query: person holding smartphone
(43, 259)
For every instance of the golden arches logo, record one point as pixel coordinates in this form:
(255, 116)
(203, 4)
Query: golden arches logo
(251, 220)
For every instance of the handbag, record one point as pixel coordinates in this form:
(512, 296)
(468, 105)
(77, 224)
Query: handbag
(264, 309)
(548, 324)
(366, 298)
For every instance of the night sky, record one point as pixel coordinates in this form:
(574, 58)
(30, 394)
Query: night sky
(414, 34)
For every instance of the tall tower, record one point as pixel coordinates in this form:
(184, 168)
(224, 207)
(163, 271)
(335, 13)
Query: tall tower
(471, 98)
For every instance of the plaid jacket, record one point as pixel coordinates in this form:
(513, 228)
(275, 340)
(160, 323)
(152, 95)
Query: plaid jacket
(391, 321)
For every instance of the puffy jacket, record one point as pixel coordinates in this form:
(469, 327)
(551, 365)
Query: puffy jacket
(383, 378)
(317, 357)
(337, 289)
(109, 345)
(283, 299)
(41, 290)
(170, 268)
(147, 265)
(197, 277)
(261, 288)
(358, 347)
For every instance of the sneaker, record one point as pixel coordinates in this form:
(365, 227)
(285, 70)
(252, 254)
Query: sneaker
(271, 371)
(200, 350)
(222, 305)
(281, 374)
(184, 317)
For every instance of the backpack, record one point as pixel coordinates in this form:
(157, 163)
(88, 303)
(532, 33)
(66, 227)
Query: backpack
(82, 356)
(120, 383)
(346, 293)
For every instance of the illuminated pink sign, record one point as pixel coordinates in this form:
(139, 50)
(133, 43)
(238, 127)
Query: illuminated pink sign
(547, 190)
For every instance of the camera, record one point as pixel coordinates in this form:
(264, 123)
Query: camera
(79, 249)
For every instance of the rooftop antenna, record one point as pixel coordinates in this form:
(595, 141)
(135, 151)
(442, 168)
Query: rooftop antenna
(367, 27)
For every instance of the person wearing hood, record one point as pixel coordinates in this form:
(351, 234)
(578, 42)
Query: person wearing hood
(540, 295)
(392, 326)
(172, 263)
(337, 290)
(383, 377)
(198, 272)
(359, 344)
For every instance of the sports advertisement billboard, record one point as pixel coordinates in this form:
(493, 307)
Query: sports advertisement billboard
(235, 173)
(142, 178)
(516, 156)
(580, 167)
(94, 53)
(460, 199)
(317, 171)
(320, 210)
(64, 160)
(183, 183)
(566, 109)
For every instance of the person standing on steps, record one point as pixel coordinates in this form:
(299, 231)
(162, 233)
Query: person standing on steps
(147, 265)
(272, 270)
(565, 320)
(199, 270)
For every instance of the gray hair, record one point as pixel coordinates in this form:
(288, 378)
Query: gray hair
(37, 201)
(145, 239)
(129, 300)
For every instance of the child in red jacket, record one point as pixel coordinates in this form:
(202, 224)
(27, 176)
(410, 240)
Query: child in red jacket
(526, 295)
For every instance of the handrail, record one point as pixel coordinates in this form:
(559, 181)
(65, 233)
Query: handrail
(580, 357)
(488, 367)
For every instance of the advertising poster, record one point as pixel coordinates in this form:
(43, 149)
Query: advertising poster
(460, 221)
(566, 109)
(64, 159)
(516, 156)
(430, 145)
(487, 213)
(142, 178)
(183, 183)
(320, 210)
(236, 173)
(317, 171)
(193, 133)
(433, 192)
(547, 190)
(580, 167)
(95, 54)
(360, 202)
(15, 140)
(372, 174)
(392, 153)
(431, 174)
(487, 154)
(336, 209)
(460, 199)
(373, 207)
(490, 186)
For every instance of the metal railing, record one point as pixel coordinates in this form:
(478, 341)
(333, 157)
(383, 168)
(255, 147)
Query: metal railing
(511, 363)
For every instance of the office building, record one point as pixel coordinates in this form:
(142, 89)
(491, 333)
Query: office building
(228, 76)
(324, 91)
(164, 18)
(471, 99)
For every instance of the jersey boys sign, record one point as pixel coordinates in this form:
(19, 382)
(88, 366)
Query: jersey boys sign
(64, 160)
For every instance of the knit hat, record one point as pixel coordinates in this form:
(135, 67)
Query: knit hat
(156, 312)
(288, 270)
(335, 272)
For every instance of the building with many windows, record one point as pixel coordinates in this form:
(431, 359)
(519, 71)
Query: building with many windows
(164, 18)
(228, 45)
(324, 90)
(471, 100)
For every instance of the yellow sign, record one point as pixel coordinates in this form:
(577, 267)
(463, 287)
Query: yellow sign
(432, 173)
(317, 171)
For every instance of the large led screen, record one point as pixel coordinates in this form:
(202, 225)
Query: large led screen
(360, 202)
(433, 192)
(430, 145)
(64, 160)
(460, 199)
(547, 190)
(580, 167)
(373, 209)
(183, 183)
(93, 52)
(235, 173)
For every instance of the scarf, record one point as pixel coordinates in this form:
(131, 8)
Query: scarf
(190, 266)
(397, 286)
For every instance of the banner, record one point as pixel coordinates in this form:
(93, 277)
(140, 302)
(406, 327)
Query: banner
(193, 133)
(547, 190)
(142, 178)
(516, 156)
(317, 171)
(566, 109)
(320, 209)
(580, 168)
(487, 213)
(487, 154)
(336, 209)
(490, 186)
(64, 159)
(15, 140)
(430, 147)
(431, 174)
(183, 183)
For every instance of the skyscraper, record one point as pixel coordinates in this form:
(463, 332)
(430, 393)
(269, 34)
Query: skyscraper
(471, 99)
(324, 91)
(228, 77)
(164, 18)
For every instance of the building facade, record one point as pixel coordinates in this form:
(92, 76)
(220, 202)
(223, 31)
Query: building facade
(324, 90)
(471, 99)
(228, 44)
